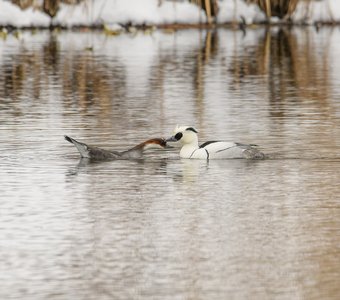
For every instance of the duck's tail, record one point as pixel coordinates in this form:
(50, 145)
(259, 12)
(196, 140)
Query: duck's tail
(253, 153)
(82, 148)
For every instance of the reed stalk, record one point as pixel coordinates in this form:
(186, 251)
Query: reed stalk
(50, 7)
(210, 8)
(276, 8)
(23, 4)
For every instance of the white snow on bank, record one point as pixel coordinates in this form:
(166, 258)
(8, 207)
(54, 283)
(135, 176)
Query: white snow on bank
(11, 14)
(152, 12)
(318, 11)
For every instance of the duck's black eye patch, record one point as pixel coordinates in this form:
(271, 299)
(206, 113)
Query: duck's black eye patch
(191, 129)
(178, 136)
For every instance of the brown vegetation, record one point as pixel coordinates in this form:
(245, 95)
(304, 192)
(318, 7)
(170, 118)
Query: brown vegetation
(282, 9)
(49, 7)
(276, 8)
(279, 8)
(210, 7)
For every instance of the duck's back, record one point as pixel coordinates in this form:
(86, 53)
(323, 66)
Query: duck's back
(101, 154)
(226, 150)
(222, 150)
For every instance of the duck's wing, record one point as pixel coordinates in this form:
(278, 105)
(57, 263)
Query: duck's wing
(245, 146)
(217, 146)
(219, 150)
(223, 149)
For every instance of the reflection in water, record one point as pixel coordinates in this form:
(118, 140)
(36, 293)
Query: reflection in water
(158, 166)
(163, 227)
(207, 52)
(290, 65)
(283, 63)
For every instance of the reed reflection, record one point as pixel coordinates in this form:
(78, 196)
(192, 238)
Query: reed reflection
(25, 71)
(286, 62)
(87, 82)
(282, 65)
(208, 51)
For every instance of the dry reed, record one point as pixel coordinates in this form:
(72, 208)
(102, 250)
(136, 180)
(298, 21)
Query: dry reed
(209, 6)
(276, 8)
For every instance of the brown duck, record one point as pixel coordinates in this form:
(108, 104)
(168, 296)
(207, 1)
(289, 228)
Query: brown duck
(96, 153)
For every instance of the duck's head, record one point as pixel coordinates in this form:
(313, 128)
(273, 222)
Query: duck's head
(184, 134)
(137, 151)
(155, 143)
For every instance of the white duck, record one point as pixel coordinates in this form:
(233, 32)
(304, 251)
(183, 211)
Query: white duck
(187, 136)
(96, 153)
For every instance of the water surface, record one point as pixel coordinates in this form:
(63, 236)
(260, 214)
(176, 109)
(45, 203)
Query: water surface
(163, 227)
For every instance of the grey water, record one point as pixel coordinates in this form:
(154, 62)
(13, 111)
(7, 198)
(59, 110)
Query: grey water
(164, 227)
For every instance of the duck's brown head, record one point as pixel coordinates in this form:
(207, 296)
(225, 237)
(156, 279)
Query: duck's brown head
(154, 144)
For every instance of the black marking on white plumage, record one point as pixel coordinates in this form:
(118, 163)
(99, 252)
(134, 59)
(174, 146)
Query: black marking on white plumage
(192, 129)
(207, 153)
(226, 148)
(207, 143)
(193, 153)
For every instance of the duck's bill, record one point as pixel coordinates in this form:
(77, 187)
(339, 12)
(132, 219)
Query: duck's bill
(171, 139)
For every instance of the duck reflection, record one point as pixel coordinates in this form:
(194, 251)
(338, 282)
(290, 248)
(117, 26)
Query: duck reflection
(188, 170)
(140, 166)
